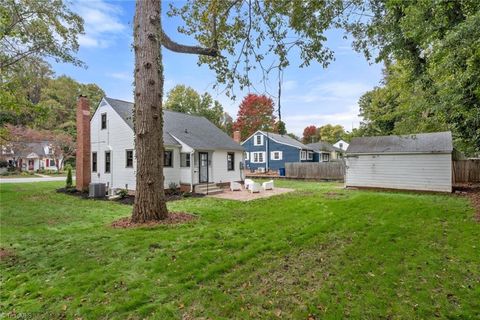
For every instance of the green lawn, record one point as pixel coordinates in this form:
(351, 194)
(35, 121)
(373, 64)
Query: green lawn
(320, 251)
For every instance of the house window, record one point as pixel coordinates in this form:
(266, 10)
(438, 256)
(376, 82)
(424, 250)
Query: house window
(303, 155)
(258, 140)
(168, 158)
(258, 157)
(104, 121)
(128, 158)
(277, 155)
(310, 155)
(325, 157)
(230, 161)
(340, 145)
(247, 156)
(185, 159)
(94, 162)
(107, 161)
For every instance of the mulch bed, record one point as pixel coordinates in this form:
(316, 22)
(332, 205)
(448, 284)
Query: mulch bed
(172, 219)
(130, 199)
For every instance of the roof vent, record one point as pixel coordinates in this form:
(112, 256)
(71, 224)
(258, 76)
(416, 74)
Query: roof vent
(186, 131)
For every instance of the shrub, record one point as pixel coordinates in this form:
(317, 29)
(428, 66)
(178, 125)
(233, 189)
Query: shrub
(3, 163)
(122, 193)
(172, 188)
(69, 178)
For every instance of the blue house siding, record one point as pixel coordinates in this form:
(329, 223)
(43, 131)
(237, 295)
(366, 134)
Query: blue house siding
(289, 153)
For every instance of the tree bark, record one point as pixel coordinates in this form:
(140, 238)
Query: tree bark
(148, 116)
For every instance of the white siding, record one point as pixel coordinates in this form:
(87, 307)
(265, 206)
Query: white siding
(344, 145)
(428, 172)
(117, 138)
(220, 173)
(186, 172)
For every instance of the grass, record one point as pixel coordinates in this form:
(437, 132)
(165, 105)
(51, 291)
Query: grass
(320, 251)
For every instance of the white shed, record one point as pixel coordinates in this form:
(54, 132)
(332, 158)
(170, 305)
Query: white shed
(412, 162)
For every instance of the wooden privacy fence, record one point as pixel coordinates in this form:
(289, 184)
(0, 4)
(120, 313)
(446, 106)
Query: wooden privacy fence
(465, 171)
(334, 170)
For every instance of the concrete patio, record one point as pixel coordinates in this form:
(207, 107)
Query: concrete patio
(245, 195)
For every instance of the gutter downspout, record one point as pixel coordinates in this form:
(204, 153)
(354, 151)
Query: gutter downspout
(267, 153)
(192, 166)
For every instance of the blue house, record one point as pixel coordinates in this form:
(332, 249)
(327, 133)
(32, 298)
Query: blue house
(270, 151)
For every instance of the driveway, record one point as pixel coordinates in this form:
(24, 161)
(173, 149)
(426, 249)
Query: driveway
(27, 180)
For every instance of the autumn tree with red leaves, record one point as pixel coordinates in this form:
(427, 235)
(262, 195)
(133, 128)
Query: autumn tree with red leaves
(255, 113)
(310, 134)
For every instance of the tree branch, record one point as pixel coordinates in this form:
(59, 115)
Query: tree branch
(176, 47)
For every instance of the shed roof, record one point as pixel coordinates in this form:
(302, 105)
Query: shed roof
(195, 131)
(435, 142)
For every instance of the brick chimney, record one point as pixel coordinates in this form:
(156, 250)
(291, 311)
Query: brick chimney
(83, 169)
(237, 137)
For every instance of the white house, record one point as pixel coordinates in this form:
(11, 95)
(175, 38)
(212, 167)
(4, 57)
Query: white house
(341, 144)
(412, 162)
(196, 151)
(31, 156)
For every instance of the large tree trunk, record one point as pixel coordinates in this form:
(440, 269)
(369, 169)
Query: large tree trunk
(148, 116)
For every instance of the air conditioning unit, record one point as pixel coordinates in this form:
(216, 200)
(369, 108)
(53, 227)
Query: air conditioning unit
(96, 190)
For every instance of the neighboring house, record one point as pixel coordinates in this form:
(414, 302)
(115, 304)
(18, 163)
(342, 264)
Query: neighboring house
(325, 152)
(270, 151)
(341, 144)
(31, 156)
(413, 162)
(196, 151)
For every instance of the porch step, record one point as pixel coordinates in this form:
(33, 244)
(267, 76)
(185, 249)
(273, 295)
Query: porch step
(211, 188)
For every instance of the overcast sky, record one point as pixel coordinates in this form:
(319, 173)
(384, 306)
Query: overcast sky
(311, 95)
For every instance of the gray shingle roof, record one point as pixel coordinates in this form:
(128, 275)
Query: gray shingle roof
(27, 148)
(195, 131)
(436, 142)
(286, 140)
(323, 146)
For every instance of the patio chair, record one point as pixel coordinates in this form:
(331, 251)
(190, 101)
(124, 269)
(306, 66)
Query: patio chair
(268, 185)
(248, 182)
(255, 187)
(235, 186)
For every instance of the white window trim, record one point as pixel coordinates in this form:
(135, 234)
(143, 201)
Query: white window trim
(280, 155)
(247, 156)
(303, 155)
(255, 140)
(326, 154)
(253, 157)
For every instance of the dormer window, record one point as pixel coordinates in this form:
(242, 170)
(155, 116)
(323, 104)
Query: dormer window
(104, 121)
(341, 145)
(258, 140)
